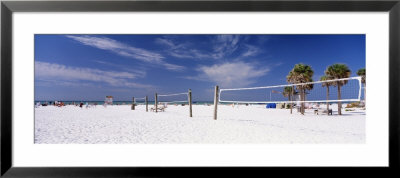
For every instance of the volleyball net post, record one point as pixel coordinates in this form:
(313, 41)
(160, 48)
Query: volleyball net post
(155, 102)
(190, 102)
(146, 101)
(216, 101)
(133, 103)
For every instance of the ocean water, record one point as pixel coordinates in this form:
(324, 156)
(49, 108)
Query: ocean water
(141, 102)
(118, 102)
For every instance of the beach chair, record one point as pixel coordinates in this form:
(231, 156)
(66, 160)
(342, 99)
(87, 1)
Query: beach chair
(161, 108)
(328, 111)
(317, 110)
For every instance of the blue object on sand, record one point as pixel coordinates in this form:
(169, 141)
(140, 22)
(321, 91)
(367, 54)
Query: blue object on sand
(271, 105)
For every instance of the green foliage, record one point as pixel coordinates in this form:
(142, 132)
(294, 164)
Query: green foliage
(326, 84)
(353, 105)
(338, 71)
(362, 73)
(287, 91)
(301, 73)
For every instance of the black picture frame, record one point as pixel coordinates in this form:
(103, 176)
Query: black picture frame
(8, 7)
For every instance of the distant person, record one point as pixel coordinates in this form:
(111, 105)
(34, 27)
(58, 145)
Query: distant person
(87, 105)
(80, 105)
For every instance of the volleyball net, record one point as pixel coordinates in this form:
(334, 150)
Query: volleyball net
(140, 100)
(311, 92)
(176, 98)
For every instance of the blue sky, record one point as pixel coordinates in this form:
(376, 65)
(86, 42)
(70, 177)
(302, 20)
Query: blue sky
(89, 67)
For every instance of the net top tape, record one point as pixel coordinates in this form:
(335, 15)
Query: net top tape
(173, 102)
(295, 84)
(174, 94)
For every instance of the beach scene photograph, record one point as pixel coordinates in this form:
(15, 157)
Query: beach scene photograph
(200, 89)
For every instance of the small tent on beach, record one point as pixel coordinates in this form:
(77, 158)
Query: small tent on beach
(271, 105)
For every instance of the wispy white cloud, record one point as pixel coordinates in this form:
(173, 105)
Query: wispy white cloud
(174, 67)
(182, 50)
(220, 47)
(250, 51)
(72, 76)
(169, 43)
(118, 47)
(123, 49)
(137, 72)
(225, 45)
(264, 38)
(53, 82)
(231, 74)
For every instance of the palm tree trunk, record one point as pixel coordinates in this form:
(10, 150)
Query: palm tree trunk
(302, 99)
(339, 103)
(327, 98)
(290, 99)
(291, 104)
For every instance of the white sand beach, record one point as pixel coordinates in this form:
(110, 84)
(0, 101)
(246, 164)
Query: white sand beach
(235, 125)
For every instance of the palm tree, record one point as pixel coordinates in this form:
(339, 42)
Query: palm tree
(301, 73)
(288, 92)
(338, 71)
(326, 84)
(362, 73)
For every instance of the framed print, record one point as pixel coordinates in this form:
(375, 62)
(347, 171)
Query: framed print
(145, 88)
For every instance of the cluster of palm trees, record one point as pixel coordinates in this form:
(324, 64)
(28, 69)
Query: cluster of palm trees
(302, 73)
